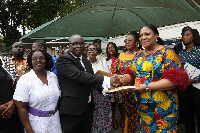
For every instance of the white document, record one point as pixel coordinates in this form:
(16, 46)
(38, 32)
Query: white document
(192, 73)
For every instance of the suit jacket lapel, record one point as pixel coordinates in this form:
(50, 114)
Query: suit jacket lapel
(76, 62)
(86, 65)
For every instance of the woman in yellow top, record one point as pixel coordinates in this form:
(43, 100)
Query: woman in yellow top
(129, 108)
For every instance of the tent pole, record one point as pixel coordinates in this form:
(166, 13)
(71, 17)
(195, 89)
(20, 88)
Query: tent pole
(112, 19)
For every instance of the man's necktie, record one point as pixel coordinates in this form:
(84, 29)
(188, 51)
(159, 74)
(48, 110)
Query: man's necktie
(78, 59)
(0, 62)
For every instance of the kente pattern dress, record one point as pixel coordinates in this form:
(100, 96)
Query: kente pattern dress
(129, 104)
(157, 110)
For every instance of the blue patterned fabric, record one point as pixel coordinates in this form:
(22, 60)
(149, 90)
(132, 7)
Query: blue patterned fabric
(54, 70)
(192, 57)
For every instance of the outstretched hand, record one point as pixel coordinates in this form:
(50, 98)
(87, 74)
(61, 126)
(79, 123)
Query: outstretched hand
(121, 78)
(140, 88)
(114, 81)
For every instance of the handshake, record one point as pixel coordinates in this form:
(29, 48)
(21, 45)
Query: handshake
(116, 80)
(126, 78)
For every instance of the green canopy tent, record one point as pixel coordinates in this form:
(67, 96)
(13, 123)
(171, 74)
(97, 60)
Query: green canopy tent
(105, 18)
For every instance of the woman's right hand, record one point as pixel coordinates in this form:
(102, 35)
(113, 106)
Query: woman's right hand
(191, 81)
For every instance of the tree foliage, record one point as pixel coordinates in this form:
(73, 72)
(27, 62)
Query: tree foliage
(30, 14)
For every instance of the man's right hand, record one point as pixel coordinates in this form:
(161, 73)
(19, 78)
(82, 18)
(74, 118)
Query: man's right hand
(114, 81)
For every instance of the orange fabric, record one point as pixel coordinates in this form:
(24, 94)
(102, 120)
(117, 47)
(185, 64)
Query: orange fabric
(126, 129)
(125, 57)
(21, 65)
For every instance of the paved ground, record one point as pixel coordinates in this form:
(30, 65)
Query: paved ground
(181, 127)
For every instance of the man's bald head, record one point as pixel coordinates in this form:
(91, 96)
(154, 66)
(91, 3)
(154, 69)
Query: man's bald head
(76, 45)
(75, 37)
(18, 50)
(39, 44)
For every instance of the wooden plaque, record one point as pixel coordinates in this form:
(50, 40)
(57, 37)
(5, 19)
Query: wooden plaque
(122, 88)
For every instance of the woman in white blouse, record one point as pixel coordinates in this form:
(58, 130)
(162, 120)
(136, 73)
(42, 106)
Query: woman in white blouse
(36, 95)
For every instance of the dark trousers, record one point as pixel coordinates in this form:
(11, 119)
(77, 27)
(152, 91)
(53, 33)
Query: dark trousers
(77, 123)
(190, 104)
(12, 125)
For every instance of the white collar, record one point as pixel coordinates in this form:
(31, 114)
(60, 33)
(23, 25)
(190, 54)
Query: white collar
(35, 77)
(77, 57)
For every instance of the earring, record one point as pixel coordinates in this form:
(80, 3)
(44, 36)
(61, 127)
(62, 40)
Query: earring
(137, 44)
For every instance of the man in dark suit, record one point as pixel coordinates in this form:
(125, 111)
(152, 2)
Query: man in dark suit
(76, 79)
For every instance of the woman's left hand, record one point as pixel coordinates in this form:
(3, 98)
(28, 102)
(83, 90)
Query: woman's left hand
(191, 81)
(140, 88)
(9, 110)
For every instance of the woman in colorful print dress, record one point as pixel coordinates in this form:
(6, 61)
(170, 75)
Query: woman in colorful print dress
(190, 98)
(157, 77)
(129, 106)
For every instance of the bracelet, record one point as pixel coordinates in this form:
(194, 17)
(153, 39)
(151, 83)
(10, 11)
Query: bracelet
(147, 88)
(195, 80)
(122, 77)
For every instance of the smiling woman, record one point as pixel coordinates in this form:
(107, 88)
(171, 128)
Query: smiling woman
(43, 56)
(157, 76)
(128, 110)
(37, 94)
(102, 113)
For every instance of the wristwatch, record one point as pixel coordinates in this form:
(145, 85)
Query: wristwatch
(147, 88)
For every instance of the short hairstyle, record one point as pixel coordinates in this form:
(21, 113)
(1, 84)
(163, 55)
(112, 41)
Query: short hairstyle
(92, 44)
(63, 52)
(135, 35)
(185, 29)
(41, 43)
(136, 38)
(49, 60)
(96, 40)
(155, 30)
(116, 50)
(195, 34)
(75, 35)
(98, 49)
(18, 43)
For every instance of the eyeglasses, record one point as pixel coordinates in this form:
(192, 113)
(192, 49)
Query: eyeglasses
(18, 47)
(92, 49)
(40, 58)
(129, 41)
(77, 43)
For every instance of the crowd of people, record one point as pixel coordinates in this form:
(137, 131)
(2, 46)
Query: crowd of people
(62, 94)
